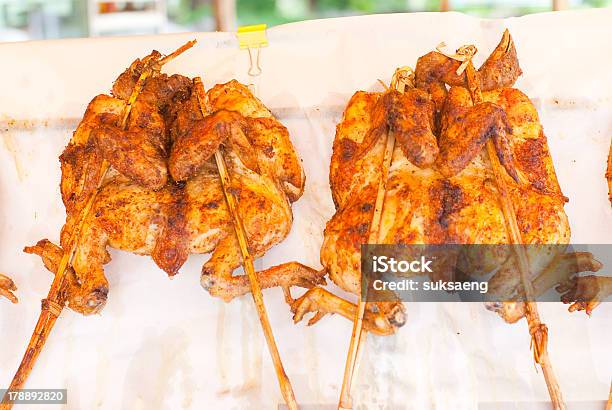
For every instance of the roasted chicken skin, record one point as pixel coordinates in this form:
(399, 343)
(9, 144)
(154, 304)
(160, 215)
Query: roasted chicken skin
(465, 131)
(434, 71)
(163, 196)
(409, 115)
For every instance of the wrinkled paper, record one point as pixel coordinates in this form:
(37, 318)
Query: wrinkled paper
(163, 343)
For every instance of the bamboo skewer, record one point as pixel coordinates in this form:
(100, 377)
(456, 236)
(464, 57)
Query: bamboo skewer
(358, 335)
(401, 78)
(53, 305)
(537, 330)
(247, 258)
(609, 174)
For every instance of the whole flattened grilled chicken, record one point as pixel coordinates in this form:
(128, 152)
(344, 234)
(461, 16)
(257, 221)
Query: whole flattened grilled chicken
(163, 196)
(441, 188)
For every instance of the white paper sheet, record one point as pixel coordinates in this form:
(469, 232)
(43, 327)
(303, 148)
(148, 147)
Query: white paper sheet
(168, 344)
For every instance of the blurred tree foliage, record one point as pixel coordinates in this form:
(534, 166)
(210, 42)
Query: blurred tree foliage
(189, 12)
(363, 6)
(271, 12)
(274, 12)
(596, 3)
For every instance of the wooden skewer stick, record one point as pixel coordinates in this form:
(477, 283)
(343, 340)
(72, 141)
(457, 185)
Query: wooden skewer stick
(53, 305)
(401, 78)
(609, 174)
(538, 330)
(247, 258)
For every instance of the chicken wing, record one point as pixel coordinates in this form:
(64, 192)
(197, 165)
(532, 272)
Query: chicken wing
(434, 71)
(410, 116)
(465, 130)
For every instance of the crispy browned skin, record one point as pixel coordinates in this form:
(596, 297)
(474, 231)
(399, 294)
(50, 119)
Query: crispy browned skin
(173, 220)
(7, 287)
(133, 154)
(410, 116)
(153, 110)
(435, 70)
(163, 90)
(81, 158)
(465, 130)
(124, 84)
(248, 129)
(140, 152)
(274, 151)
(137, 153)
(203, 137)
(501, 69)
(356, 123)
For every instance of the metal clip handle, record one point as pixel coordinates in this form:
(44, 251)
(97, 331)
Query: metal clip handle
(254, 67)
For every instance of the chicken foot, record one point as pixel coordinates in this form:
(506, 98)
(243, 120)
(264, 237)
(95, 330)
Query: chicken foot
(7, 287)
(382, 318)
(585, 292)
(560, 271)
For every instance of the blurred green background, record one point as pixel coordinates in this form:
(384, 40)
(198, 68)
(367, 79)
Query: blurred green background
(41, 19)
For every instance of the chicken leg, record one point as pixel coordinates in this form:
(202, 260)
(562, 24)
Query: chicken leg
(217, 275)
(75, 295)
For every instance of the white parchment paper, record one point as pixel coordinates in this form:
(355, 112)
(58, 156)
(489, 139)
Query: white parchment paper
(165, 344)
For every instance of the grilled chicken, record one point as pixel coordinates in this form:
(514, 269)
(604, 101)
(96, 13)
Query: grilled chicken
(163, 196)
(7, 287)
(448, 196)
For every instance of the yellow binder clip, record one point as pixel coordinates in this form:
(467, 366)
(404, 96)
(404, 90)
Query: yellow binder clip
(253, 38)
